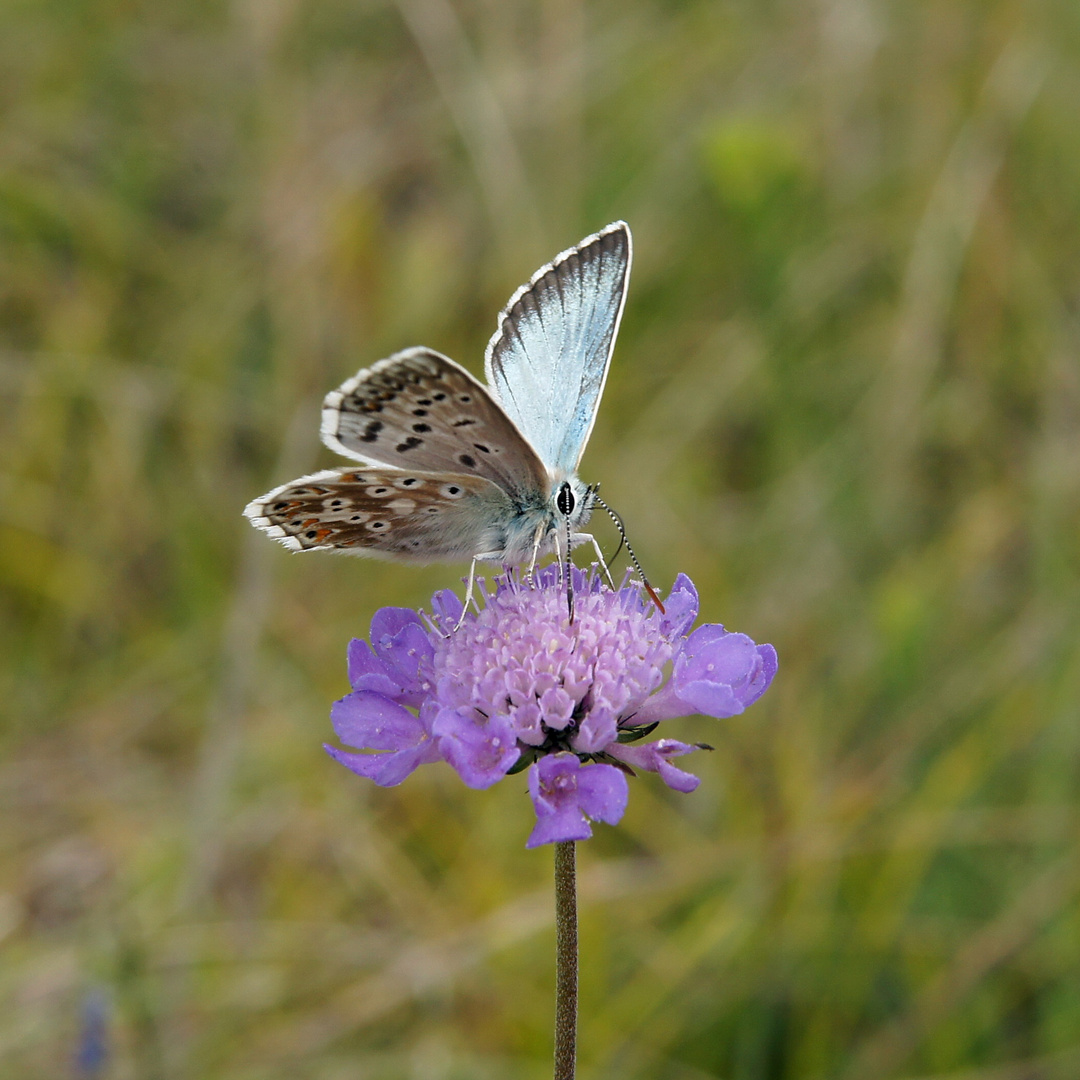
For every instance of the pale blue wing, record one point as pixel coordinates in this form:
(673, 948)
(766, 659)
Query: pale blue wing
(548, 361)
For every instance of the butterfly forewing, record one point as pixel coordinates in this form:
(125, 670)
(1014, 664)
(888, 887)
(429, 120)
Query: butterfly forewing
(549, 358)
(418, 410)
(407, 515)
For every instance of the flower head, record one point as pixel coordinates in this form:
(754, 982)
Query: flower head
(518, 685)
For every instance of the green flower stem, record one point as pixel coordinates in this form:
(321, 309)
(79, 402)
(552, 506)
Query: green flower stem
(566, 961)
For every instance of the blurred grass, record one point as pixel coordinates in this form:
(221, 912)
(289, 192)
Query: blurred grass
(845, 399)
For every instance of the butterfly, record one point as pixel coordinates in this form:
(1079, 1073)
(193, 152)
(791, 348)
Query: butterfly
(452, 469)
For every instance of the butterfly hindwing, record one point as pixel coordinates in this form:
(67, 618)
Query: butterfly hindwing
(548, 360)
(418, 410)
(422, 517)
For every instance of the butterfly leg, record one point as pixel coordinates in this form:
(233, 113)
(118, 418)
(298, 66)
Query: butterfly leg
(469, 588)
(468, 593)
(580, 538)
(538, 539)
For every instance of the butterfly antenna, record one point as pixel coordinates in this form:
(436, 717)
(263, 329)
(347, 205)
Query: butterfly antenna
(629, 550)
(618, 524)
(569, 580)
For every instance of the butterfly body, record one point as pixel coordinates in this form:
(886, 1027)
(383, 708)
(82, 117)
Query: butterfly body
(449, 468)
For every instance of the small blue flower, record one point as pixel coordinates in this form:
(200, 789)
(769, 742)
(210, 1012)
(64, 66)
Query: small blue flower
(517, 685)
(92, 1050)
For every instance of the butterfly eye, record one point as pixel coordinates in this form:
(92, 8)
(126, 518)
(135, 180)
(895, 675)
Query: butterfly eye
(565, 500)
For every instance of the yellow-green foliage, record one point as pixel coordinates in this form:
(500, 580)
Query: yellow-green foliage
(846, 400)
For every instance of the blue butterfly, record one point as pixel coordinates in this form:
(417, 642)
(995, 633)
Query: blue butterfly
(452, 469)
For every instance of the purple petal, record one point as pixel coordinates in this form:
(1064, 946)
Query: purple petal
(655, 757)
(549, 576)
(481, 752)
(597, 730)
(400, 640)
(388, 622)
(371, 721)
(603, 792)
(764, 676)
(553, 783)
(665, 704)
(680, 608)
(678, 779)
(563, 790)
(555, 828)
(368, 672)
(709, 699)
(718, 673)
(447, 606)
(526, 720)
(556, 705)
(721, 653)
(386, 770)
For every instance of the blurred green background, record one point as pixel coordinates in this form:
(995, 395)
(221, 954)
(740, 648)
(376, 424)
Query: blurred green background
(845, 400)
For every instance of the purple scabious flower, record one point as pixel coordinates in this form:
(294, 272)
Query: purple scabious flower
(518, 686)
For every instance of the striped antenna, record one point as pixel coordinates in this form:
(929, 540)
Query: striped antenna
(569, 580)
(629, 550)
